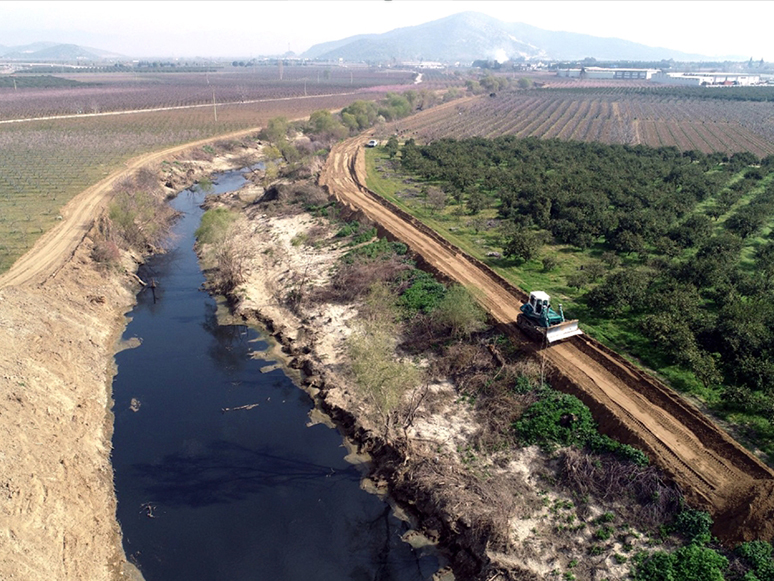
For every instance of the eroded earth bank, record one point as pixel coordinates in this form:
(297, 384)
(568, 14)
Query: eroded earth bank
(58, 330)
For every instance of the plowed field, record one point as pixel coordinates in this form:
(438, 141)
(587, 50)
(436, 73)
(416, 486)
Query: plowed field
(715, 472)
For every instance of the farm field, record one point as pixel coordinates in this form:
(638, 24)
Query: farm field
(625, 115)
(104, 92)
(44, 163)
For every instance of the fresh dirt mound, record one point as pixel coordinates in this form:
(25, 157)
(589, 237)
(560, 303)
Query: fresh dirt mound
(752, 516)
(716, 473)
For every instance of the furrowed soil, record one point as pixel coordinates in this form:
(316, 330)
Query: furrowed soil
(714, 471)
(60, 320)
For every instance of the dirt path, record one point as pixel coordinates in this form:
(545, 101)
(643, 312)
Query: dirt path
(715, 472)
(52, 250)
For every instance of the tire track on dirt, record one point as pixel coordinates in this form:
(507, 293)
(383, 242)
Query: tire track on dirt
(715, 472)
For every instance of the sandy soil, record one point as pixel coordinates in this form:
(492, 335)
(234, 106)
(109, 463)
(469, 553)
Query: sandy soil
(716, 473)
(60, 319)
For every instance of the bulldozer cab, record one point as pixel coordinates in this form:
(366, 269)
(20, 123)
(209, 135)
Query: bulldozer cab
(541, 321)
(539, 301)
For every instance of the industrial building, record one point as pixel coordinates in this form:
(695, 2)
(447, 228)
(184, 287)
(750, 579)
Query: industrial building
(657, 76)
(605, 73)
(707, 79)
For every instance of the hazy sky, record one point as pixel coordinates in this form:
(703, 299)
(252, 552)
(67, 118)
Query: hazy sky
(243, 29)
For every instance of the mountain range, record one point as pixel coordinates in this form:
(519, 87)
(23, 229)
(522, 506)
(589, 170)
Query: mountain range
(52, 51)
(463, 38)
(470, 36)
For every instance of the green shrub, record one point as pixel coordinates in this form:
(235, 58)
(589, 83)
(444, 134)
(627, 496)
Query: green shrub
(214, 225)
(379, 248)
(694, 525)
(600, 443)
(550, 263)
(557, 419)
(606, 517)
(348, 229)
(369, 234)
(205, 183)
(523, 385)
(604, 533)
(691, 563)
(459, 311)
(378, 375)
(757, 554)
(635, 455)
(655, 567)
(138, 219)
(424, 293)
(695, 563)
(328, 210)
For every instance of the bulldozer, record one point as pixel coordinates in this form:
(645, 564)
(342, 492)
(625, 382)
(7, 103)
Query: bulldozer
(540, 322)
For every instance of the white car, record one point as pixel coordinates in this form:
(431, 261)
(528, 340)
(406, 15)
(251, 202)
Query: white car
(372, 143)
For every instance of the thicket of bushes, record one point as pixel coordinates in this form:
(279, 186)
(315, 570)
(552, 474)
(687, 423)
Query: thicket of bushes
(137, 219)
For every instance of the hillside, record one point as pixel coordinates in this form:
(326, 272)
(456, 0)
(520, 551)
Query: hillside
(51, 51)
(469, 36)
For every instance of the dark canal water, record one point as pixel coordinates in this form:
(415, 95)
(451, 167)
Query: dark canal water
(254, 494)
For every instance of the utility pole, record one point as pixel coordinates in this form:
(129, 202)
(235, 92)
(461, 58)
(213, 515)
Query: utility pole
(214, 107)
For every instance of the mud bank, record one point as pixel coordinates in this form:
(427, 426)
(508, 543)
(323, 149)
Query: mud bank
(57, 504)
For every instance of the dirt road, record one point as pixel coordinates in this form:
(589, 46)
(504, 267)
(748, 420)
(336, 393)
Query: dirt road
(56, 247)
(714, 471)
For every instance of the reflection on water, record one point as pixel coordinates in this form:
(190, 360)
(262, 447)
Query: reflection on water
(247, 494)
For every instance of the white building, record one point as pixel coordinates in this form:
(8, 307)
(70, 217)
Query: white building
(707, 79)
(604, 73)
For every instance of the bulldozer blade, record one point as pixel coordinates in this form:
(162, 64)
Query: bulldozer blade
(563, 331)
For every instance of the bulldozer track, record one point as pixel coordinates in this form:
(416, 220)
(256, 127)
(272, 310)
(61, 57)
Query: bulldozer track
(715, 472)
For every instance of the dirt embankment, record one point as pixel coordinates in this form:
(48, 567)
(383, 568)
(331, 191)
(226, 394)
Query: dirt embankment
(60, 319)
(715, 472)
